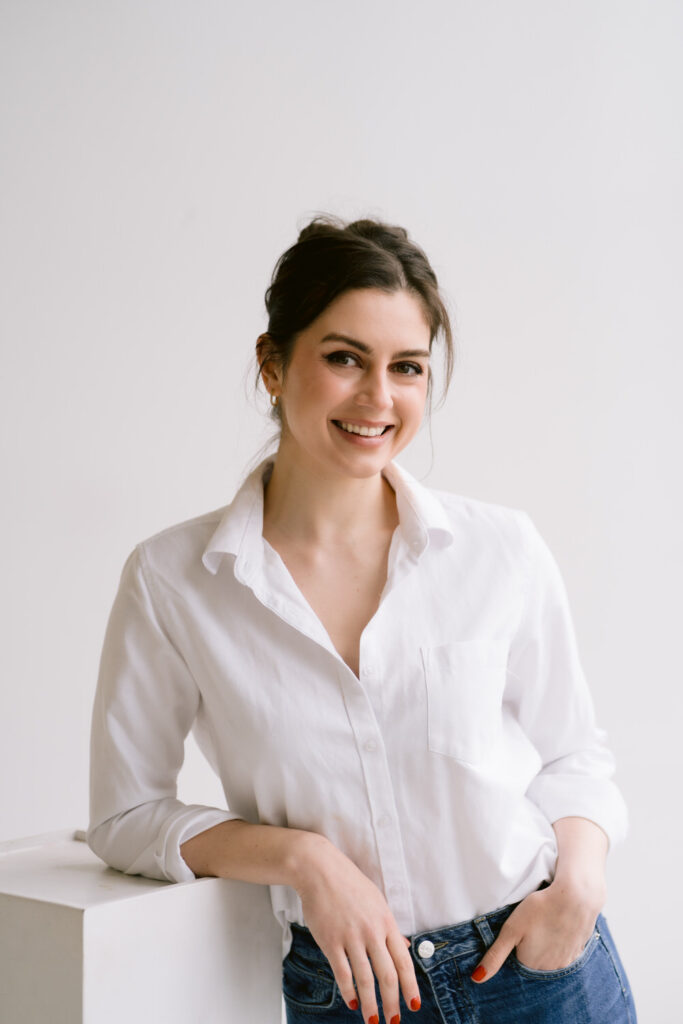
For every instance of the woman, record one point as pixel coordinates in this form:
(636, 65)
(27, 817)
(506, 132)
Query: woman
(385, 678)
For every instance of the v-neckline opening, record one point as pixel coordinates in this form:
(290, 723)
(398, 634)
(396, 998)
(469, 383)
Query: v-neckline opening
(311, 611)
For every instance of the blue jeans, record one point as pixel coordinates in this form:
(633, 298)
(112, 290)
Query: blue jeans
(593, 989)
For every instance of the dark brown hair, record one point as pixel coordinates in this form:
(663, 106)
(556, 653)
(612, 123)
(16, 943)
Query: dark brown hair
(331, 257)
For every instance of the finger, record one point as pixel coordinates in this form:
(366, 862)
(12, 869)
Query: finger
(343, 974)
(496, 955)
(406, 972)
(365, 984)
(387, 978)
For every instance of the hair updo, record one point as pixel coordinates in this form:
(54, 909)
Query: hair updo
(331, 257)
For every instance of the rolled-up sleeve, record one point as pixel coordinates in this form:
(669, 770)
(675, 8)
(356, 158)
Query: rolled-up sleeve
(549, 694)
(145, 704)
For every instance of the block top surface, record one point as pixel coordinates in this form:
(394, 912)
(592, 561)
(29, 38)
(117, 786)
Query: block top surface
(59, 868)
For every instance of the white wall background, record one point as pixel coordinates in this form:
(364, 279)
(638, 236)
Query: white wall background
(158, 156)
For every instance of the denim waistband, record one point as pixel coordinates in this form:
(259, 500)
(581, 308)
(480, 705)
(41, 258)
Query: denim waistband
(448, 942)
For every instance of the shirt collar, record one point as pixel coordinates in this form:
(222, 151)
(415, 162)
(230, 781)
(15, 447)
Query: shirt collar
(422, 519)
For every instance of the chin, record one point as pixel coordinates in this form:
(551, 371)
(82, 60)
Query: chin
(361, 469)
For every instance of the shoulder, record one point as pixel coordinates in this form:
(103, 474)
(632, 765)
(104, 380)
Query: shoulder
(485, 519)
(489, 541)
(177, 549)
(506, 533)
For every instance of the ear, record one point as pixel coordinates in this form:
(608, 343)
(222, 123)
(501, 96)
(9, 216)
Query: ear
(268, 368)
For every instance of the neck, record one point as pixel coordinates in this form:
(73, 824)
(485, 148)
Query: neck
(324, 509)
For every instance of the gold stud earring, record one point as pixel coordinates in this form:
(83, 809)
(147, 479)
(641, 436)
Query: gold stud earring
(274, 400)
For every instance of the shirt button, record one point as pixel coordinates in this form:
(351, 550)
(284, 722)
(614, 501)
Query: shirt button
(371, 745)
(425, 949)
(384, 820)
(369, 670)
(396, 890)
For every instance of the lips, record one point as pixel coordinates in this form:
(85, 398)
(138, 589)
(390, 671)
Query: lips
(370, 430)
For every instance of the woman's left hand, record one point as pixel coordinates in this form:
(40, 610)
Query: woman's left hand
(548, 929)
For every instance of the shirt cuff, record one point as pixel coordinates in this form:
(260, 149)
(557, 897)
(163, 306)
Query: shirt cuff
(193, 819)
(564, 796)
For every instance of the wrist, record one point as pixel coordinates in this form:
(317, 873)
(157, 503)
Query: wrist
(581, 883)
(305, 853)
(582, 856)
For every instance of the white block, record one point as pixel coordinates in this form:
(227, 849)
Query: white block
(81, 943)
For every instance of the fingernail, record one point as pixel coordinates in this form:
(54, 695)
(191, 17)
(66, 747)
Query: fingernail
(395, 1019)
(353, 1005)
(415, 1003)
(374, 1019)
(478, 974)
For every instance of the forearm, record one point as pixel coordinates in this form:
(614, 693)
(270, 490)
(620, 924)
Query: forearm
(264, 854)
(582, 854)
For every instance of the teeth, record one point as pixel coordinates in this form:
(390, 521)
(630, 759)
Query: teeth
(363, 431)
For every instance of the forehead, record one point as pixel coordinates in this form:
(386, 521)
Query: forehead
(375, 317)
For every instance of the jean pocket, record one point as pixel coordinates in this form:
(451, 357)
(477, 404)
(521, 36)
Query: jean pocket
(560, 972)
(465, 681)
(308, 985)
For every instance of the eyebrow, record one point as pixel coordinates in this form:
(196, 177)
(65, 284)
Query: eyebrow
(362, 347)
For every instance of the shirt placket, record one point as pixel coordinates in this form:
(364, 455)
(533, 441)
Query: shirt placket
(361, 696)
(379, 788)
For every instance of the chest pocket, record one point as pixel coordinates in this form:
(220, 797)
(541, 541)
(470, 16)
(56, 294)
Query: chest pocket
(465, 681)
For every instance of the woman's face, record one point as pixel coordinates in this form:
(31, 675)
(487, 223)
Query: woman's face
(354, 392)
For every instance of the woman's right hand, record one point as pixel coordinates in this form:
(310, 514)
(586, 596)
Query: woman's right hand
(350, 920)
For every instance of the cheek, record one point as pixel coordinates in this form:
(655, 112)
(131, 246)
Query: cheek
(315, 391)
(416, 400)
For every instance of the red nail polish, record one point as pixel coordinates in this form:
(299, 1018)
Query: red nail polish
(374, 1019)
(479, 973)
(395, 1019)
(415, 1003)
(353, 1005)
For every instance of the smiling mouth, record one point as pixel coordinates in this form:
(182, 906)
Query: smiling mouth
(354, 428)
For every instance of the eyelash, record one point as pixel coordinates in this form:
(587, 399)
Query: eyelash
(336, 357)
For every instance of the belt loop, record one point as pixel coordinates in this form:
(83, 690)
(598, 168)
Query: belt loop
(484, 929)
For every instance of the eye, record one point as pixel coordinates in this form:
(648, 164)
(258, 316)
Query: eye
(409, 369)
(342, 358)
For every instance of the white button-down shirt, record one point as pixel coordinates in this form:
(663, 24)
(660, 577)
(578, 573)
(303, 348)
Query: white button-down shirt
(438, 771)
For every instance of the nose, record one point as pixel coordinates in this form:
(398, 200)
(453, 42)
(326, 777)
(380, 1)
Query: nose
(374, 391)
